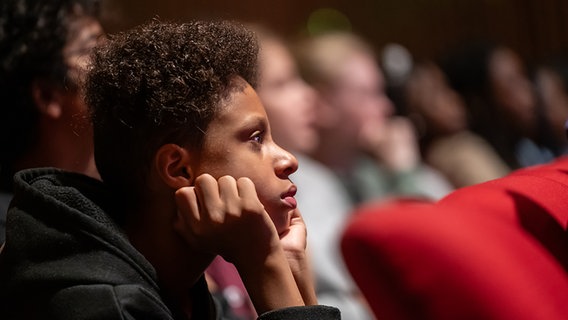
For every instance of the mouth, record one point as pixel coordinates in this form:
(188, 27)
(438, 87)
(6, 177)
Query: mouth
(288, 197)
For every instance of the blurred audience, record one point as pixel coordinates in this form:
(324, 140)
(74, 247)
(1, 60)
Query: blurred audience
(500, 100)
(446, 142)
(374, 153)
(44, 47)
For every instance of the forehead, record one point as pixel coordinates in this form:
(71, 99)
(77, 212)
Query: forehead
(360, 70)
(274, 55)
(241, 106)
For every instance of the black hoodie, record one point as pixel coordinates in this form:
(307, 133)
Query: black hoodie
(66, 258)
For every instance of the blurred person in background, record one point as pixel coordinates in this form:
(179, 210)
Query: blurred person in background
(440, 117)
(551, 80)
(44, 49)
(500, 100)
(372, 151)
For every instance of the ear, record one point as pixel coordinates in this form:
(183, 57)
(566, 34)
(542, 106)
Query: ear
(172, 163)
(47, 99)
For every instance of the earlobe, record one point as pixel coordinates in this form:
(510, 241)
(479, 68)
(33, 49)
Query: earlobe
(173, 165)
(46, 99)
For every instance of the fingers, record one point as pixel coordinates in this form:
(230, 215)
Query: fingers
(207, 190)
(248, 195)
(225, 196)
(214, 201)
(224, 215)
(186, 201)
(229, 196)
(187, 214)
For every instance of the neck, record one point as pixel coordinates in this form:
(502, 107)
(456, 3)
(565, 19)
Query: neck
(62, 147)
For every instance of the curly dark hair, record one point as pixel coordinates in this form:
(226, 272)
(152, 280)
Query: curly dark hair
(161, 82)
(33, 34)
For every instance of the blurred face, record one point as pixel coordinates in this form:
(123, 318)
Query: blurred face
(358, 97)
(288, 100)
(429, 95)
(238, 142)
(84, 34)
(554, 99)
(511, 87)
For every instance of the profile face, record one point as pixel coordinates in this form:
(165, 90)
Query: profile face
(359, 95)
(289, 101)
(554, 97)
(238, 142)
(511, 87)
(429, 94)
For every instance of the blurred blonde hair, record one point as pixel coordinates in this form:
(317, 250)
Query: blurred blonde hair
(320, 57)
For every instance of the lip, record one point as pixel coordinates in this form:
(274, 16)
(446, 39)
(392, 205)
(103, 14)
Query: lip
(288, 197)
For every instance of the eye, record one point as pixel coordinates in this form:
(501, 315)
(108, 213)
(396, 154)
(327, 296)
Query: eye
(258, 137)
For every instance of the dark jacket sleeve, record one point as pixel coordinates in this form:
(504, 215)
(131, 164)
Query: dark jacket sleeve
(318, 312)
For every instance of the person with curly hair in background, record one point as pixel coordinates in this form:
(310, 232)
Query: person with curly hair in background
(44, 48)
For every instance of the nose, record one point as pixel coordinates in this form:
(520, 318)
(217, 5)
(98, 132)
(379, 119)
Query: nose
(285, 163)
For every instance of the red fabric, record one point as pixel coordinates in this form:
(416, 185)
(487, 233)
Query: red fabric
(496, 250)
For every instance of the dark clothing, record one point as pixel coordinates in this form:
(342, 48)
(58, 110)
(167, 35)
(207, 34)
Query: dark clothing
(4, 202)
(67, 258)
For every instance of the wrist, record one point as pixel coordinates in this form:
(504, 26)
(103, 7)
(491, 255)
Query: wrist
(270, 281)
(301, 270)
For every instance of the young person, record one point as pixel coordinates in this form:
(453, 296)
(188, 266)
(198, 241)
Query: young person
(189, 171)
(290, 104)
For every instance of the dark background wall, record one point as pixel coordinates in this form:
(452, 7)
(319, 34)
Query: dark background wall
(535, 28)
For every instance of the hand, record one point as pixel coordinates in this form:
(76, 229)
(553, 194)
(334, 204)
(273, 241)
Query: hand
(225, 217)
(294, 240)
(294, 243)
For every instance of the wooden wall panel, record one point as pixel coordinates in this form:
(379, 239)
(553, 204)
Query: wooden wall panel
(536, 28)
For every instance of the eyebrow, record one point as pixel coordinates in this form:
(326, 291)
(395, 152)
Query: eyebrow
(255, 121)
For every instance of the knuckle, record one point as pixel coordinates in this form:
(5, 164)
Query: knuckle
(245, 182)
(226, 179)
(204, 178)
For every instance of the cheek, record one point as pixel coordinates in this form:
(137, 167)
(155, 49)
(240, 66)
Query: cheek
(218, 165)
(273, 205)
